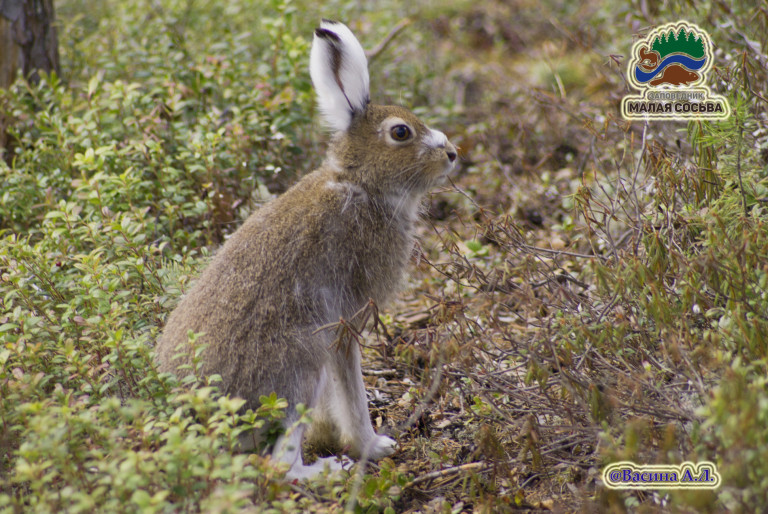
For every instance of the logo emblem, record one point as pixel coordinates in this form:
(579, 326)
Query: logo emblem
(669, 67)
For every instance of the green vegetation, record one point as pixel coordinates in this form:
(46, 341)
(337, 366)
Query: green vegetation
(589, 291)
(682, 41)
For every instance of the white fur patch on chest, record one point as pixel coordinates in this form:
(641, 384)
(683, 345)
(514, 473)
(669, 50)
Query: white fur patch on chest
(405, 208)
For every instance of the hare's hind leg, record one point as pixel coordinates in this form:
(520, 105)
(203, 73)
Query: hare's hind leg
(345, 403)
(289, 445)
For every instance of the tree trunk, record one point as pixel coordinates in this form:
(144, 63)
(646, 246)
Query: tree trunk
(27, 43)
(27, 39)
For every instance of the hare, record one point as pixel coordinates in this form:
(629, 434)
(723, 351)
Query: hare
(341, 236)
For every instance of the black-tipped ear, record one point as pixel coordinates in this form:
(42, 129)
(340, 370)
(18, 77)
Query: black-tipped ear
(339, 72)
(327, 34)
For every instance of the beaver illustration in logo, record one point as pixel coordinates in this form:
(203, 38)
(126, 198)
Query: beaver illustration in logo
(675, 75)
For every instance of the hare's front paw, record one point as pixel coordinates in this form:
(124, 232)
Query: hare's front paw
(380, 446)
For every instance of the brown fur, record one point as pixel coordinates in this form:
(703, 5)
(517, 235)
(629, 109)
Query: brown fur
(316, 253)
(341, 236)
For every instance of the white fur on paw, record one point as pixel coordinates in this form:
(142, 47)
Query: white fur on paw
(330, 465)
(380, 447)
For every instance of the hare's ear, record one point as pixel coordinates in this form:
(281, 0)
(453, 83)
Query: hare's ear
(339, 72)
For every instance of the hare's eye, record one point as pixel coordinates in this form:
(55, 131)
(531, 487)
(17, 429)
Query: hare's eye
(400, 132)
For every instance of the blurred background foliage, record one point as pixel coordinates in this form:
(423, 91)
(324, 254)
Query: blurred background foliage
(588, 290)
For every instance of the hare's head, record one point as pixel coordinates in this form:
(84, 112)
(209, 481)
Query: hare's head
(384, 149)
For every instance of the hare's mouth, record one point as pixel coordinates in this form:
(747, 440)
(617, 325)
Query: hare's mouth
(442, 177)
(447, 169)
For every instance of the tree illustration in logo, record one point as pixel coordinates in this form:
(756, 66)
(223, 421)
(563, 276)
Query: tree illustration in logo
(672, 57)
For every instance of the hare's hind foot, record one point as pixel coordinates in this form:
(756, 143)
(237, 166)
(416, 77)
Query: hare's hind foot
(379, 447)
